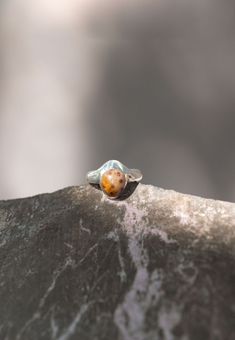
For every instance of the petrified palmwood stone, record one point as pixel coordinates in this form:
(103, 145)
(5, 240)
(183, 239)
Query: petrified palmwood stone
(113, 182)
(76, 265)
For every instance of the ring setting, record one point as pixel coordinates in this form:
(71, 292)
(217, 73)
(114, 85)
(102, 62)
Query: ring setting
(113, 177)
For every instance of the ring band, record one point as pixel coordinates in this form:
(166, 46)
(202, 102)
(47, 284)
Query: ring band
(113, 177)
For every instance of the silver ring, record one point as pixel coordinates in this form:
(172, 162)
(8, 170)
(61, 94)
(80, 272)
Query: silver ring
(112, 177)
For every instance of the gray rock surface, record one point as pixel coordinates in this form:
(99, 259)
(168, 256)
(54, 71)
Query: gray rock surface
(76, 265)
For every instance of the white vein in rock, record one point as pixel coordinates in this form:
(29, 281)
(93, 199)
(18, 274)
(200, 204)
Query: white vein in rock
(72, 326)
(37, 313)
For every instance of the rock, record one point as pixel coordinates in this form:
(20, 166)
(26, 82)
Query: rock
(76, 265)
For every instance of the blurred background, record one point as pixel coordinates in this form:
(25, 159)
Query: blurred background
(150, 83)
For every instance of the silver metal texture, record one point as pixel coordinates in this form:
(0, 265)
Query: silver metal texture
(133, 175)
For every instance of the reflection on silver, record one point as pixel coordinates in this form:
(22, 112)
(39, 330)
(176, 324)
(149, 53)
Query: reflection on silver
(133, 175)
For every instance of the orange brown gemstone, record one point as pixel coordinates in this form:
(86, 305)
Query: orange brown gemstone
(113, 182)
